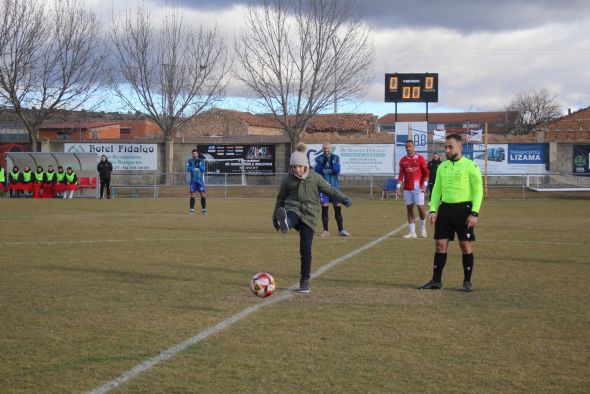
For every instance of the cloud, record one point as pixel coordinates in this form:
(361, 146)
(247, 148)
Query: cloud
(485, 69)
(461, 15)
(472, 16)
(484, 52)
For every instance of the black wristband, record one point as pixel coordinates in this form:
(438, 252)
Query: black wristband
(474, 214)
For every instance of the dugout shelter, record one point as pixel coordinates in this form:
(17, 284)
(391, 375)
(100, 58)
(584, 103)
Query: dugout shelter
(83, 164)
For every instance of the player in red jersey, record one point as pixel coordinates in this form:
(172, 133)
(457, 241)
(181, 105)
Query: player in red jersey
(413, 176)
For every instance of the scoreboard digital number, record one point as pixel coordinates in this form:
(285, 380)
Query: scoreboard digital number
(417, 88)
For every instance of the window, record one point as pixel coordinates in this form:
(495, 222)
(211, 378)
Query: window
(64, 135)
(125, 130)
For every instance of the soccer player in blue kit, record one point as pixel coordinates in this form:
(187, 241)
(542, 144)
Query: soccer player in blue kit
(196, 167)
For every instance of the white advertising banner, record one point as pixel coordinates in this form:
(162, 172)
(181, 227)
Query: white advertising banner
(359, 159)
(415, 131)
(474, 135)
(124, 157)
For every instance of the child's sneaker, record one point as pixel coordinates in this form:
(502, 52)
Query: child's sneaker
(204, 212)
(281, 216)
(325, 233)
(344, 233)
(304, 286)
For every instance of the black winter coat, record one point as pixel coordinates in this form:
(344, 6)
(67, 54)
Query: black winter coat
(104, 169)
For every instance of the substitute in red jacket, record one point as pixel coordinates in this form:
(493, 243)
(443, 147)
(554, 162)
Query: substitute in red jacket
(413, 176)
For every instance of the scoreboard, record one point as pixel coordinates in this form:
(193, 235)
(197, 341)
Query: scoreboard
(420, 88)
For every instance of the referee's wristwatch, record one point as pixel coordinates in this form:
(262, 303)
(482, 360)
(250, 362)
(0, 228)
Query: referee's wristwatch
(474, 214)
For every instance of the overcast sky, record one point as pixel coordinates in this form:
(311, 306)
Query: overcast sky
(484, 51)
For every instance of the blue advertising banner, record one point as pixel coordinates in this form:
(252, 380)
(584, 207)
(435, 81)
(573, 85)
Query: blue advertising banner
(509, 158)
(527, 153)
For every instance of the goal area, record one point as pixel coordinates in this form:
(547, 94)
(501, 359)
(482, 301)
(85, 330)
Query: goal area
(225, 172)
(558, 183)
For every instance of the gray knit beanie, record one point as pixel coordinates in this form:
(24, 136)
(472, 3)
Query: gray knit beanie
(299, 157)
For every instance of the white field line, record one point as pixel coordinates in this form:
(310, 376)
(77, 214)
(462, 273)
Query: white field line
(174, 350)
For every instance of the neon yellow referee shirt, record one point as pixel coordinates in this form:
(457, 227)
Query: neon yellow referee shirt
(457, 181)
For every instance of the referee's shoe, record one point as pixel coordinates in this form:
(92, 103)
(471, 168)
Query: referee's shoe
(432, 285)
(467, 286)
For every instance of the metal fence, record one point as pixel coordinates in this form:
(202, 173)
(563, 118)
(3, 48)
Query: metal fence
(152, 184)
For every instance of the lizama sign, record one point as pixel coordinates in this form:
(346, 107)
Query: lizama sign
(124, 157)
(509, 158)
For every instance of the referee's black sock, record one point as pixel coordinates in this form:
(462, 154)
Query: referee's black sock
(192, 203)
(440, 259)
(325, 217)
(467, 266)
(203, 202)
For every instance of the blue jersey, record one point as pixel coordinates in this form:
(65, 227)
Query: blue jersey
(196, 168)
(328, 168)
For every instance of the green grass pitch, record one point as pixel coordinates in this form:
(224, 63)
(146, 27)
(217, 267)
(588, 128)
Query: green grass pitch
(91, 288)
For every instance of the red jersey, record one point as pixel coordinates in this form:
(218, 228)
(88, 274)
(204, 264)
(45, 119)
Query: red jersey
(413, 172)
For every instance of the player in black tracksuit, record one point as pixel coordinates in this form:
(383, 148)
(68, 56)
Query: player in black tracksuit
(104, 169)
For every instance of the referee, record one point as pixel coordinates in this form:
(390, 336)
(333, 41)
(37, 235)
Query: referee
(457, 195)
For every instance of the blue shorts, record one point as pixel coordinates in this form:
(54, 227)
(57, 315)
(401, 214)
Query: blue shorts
(325, 200)
(197, 187)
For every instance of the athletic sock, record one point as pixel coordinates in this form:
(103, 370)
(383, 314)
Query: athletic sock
(423, 222)
(412, 228)
(440, 259)
(203, 203)
(192, 203)
(338, 216)
(467, 266)
(325, 218)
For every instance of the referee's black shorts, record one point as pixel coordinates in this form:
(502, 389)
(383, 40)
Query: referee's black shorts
(451, 219)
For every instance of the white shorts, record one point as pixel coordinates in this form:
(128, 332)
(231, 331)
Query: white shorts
(414, 197)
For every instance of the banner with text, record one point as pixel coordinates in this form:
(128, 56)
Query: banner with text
(509, 158)
(581, 159)
(124, 157)
(415, 131)
(358, 159)
(258, 159)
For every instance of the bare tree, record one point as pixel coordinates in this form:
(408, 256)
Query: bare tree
(171, 74)
(533, 108)
(300, 57)
(50, 59)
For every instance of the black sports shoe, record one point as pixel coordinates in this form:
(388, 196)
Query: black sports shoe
(432, 285)
(467, 286)
(281, 215)
(303, 286)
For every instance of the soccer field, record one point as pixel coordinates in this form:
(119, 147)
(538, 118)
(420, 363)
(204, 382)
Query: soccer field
(90, 289)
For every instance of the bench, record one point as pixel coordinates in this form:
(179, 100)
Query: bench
(390, 186)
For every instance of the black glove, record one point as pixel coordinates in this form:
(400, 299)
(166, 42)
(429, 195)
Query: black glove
(275, 224)
(347, 202)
